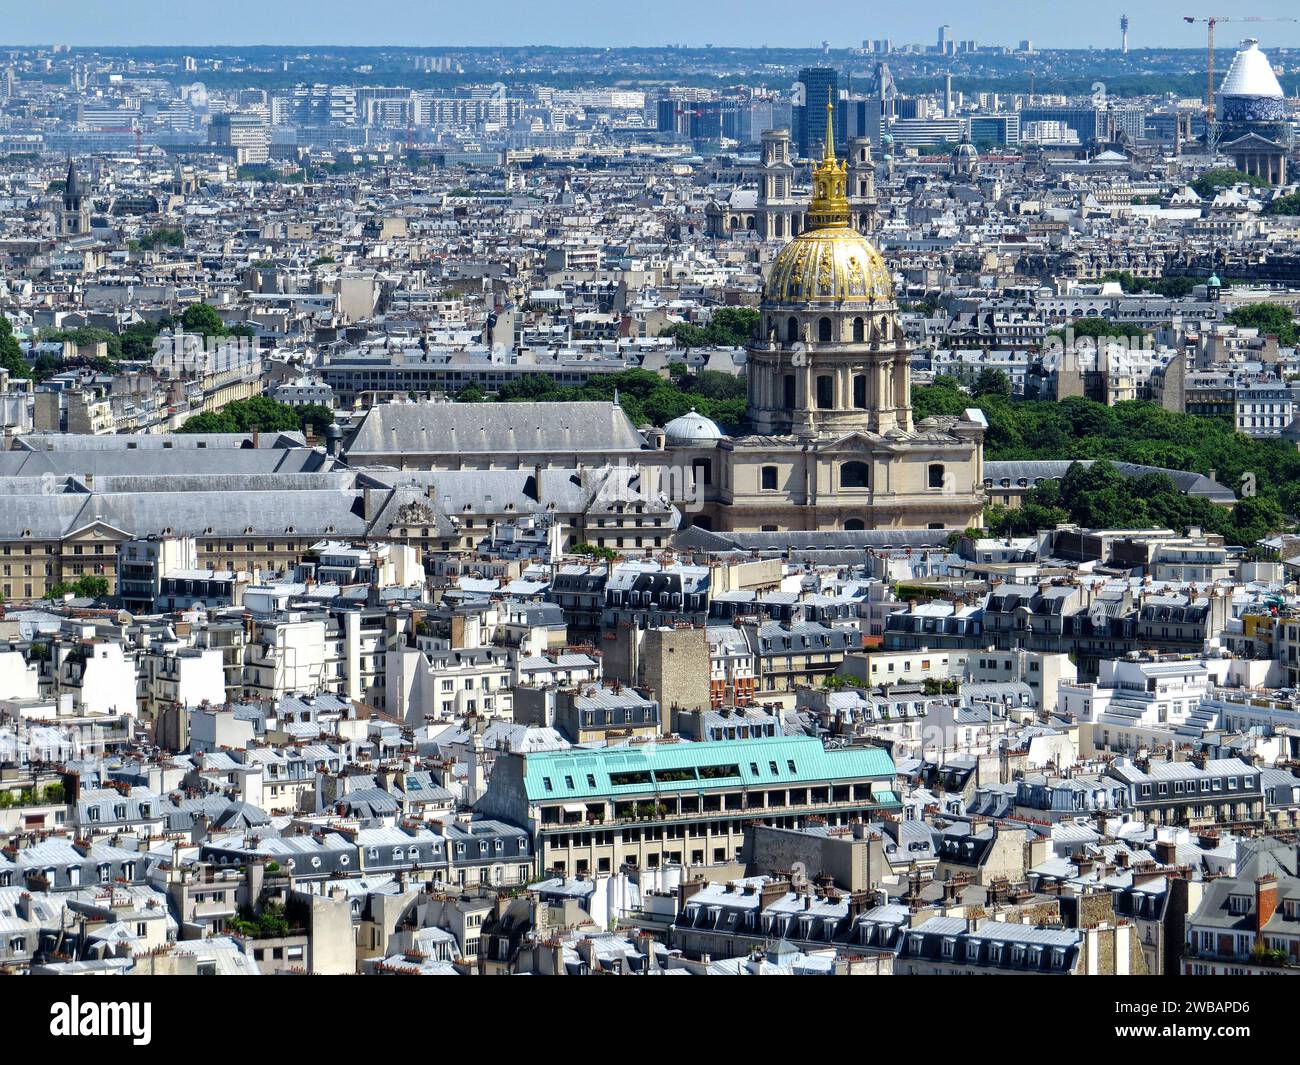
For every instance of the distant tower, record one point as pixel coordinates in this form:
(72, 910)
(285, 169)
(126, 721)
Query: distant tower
(74, 214)
(1123, 30)
(862, 185)
(779, 214)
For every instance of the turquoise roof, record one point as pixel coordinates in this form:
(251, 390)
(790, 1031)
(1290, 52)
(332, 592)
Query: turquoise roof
(556, 776)
(1214, 281)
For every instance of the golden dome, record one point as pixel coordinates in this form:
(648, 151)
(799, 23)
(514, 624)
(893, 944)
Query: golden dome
(830, 260)
(829, 264)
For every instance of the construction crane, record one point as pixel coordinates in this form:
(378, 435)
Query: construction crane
(1211, 119)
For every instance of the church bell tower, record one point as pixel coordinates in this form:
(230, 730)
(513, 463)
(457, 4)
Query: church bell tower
(74, 212)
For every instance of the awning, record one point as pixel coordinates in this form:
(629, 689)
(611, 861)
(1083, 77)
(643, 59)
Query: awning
(574, 807)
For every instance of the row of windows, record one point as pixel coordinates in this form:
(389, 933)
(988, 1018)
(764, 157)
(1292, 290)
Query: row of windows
(853, 474)
(857, 331)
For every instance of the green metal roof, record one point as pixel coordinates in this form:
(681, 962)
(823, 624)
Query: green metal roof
(609, 773)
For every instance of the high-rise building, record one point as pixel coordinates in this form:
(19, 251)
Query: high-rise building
(986, 130)
(1092, 123)
(820, 84)
(246, 133)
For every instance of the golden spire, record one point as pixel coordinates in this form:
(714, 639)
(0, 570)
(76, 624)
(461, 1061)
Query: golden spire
(828, 154)
(830, 202)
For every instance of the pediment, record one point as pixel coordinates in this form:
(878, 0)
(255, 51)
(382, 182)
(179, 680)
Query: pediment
(851, 443)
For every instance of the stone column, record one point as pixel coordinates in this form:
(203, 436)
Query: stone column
(901, 398)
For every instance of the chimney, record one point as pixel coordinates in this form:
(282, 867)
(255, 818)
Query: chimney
(254, 874)
(687, 888)
(859, 903)
(199, 831)
(1166, 852)
(1265, 901)
(771, 892)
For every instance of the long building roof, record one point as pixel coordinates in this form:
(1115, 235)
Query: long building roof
(555, 776)
(541, 429)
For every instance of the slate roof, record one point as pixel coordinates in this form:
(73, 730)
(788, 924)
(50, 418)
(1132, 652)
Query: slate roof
(540, 429)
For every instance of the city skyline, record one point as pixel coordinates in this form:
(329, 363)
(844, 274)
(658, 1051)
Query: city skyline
(83, 23)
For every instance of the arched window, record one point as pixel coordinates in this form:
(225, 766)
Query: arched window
(855, 475)
(792, 329)
(936, 475)
(854, 525)
(859, 330)
(824, 329)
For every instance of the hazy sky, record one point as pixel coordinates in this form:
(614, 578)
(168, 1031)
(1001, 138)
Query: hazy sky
(434, 23)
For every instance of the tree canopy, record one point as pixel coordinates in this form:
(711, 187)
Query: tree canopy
(1224, 177)
(646, 397)
(1268, 318)
(11, 355)
(262, 414)
(728, 327)
(1265, 473)
(1284, 205)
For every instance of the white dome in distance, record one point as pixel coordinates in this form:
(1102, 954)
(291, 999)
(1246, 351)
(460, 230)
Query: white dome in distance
(691, 430)
(1251, 74)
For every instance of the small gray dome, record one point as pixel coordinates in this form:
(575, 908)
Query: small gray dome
(691, 430)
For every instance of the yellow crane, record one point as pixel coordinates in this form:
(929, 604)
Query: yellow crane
(1211, 120)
